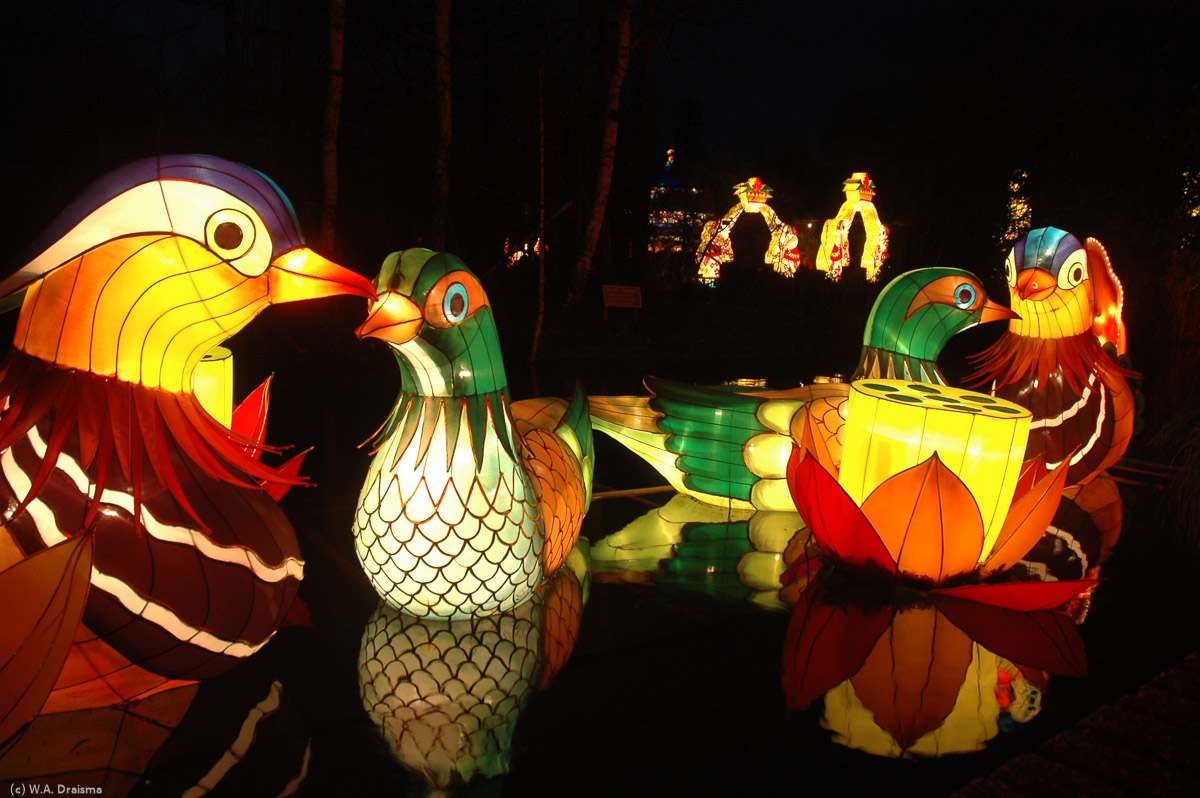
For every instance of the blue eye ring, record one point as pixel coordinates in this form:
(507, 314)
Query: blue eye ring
(964, 296)
(455, 311)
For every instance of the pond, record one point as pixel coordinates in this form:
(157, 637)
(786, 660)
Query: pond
(671, 664)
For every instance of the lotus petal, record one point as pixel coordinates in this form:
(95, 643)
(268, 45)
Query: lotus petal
(928, 520)
(1027, 520)
(43, 598)
(910, 681)
(1032, 471)
(825, 645)
(1045, 640)
(1020, 596)
(838, 525)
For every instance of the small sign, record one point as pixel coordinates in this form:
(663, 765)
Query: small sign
(622, 296)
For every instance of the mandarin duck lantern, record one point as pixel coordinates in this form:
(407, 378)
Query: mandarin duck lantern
(101, 434)
(1053, 361)
(470, 500)
(731, 447)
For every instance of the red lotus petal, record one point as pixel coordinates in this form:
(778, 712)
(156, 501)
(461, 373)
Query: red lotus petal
(1045, 640)
(1027, 521)
(1020, 596)
(838, 525)
(826, 645)
(929, 521)
(1032, 471)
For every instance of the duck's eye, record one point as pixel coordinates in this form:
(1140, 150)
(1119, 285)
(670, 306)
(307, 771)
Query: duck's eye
(1074, 271)
(1010, 269)
(229, 233)
(964, 296)
(454, 304)
(453, 299)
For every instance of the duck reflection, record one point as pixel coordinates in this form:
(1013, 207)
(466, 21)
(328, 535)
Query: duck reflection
(447, 695)
(907, 674)
(725, 552)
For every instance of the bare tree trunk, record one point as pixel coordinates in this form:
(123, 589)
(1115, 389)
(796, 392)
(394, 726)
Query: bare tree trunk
(333, 113)
(608, 152)
(541, 242)
(440, 229)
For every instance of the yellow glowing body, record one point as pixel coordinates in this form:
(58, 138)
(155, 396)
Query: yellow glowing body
(893, 425)
(835, 235)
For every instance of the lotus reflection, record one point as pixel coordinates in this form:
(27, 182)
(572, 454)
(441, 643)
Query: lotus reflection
(927, 674)
(447, 695)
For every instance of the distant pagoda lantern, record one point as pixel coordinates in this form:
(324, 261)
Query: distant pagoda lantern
(833, 254)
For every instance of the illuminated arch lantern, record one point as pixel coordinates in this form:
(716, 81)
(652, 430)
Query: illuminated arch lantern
(715, 247)
(833, 254)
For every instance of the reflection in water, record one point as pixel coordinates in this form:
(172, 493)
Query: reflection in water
(106, 748)
(729, 553)
(446, 695)
(925, 674)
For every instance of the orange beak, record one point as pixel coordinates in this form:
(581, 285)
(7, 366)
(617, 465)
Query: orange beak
(303, 274)
(393, 317)
(1035, 284)
(992, 311)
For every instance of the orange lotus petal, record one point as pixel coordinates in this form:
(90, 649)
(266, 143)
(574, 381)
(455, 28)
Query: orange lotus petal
(928, 520)
(910, 681)
(838, 526)
(1027, 520)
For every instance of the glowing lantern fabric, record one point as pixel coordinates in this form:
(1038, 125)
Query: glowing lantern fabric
(43, 597)
(469, 501)
(1053, 361)
(143, 275)
(834, 253)
(892, 425)
(729, 445)
(903, 509)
